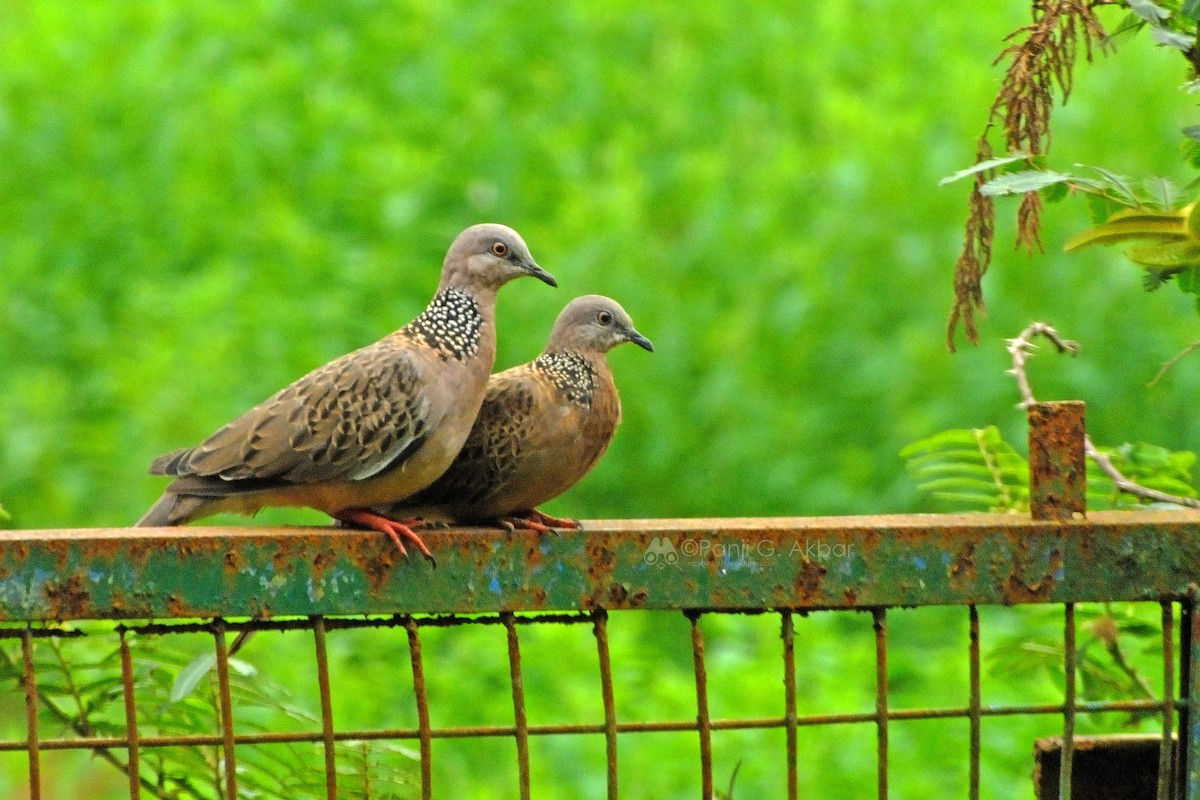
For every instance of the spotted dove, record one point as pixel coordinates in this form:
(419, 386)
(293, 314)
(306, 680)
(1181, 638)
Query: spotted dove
(542, 428)
(370, 428)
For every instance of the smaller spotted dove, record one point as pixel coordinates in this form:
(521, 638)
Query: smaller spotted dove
(542, 427)
(367, 429)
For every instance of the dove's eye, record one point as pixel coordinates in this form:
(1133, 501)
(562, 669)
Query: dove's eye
(604, 318)
(500, 249)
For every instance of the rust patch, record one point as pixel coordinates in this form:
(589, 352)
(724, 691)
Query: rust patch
(807, 583)
(963, 570)
(374, 561)
(1057, 464)
(177, 608)
(377, 568)
(233, 562)
(637, 599)
(1016, 590)
(68, 598)
(15, 553)
(322, 561)
(533, 551)
(617, 595)
(600, 563)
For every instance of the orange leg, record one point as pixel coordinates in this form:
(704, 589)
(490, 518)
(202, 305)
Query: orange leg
(393, 528)
(551, 522)
(537, 521)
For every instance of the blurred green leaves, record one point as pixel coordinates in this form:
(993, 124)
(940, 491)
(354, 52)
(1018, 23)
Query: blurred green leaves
(199, 203)
(976, 470)
(80, 689)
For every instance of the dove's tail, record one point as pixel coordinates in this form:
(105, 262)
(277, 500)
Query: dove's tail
(159, 515)
(171, 509)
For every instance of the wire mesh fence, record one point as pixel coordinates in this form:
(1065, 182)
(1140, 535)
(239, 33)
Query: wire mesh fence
(118, 646)
(127, 747)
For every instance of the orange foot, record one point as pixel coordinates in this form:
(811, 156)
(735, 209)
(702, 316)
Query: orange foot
(535, 520)
(393, 528)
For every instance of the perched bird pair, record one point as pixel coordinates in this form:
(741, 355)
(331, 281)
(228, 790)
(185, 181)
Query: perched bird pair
(410, 428)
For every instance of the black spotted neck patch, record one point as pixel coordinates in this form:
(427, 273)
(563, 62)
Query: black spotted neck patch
(451, 324)
(571, 374)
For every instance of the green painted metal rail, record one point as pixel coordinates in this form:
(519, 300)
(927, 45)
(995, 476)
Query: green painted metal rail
(796, 563)
(696, 565)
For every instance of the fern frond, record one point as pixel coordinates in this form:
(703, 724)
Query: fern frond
(970, 470)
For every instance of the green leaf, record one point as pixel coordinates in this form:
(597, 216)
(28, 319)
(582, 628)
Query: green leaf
(1170, 256)
(1188, 280)
(983, 166)
(4, 515)
(1164, 191)
(1133, 224)
(1129, 25)
(1030, 180)
(1101, 207)
(1154, 278)
(1056, 192)
(1148, 11)
(1180, 41)
(1190, 9)
(939, 441)
(191, 675)
(969, 470)
(1121, 186)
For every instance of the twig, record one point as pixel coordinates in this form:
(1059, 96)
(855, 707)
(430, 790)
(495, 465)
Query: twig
(1021, 349)
(1175, 359)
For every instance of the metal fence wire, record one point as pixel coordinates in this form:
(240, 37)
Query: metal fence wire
(323, 583)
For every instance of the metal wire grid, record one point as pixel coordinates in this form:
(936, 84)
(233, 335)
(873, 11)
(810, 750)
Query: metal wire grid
(1168, 774)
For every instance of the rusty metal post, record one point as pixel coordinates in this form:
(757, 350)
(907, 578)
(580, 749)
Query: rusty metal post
(1189, 729)
(32, 737)
(1057, 462)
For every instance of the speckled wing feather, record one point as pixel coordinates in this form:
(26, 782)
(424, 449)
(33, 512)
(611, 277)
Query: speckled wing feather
(491, 452)
(349, 419)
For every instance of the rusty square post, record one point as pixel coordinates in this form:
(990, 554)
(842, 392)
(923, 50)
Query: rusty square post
(1057, 461)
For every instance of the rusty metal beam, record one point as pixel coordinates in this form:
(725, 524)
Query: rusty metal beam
(799, 563)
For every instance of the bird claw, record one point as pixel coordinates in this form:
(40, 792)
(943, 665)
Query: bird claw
(552, 522)
(395, 529)
(511, 524)
(536, 521)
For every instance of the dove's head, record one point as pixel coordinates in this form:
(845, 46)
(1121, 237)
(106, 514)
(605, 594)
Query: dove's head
(489, 256)
(594, 323)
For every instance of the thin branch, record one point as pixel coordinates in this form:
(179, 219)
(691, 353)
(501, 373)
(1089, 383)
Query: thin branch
(1021, 348)
(1166, 367)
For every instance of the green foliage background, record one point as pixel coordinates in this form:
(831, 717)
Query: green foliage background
(199, 202)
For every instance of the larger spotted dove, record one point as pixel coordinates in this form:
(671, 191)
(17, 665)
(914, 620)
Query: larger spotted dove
(542, 428)
(370, 428)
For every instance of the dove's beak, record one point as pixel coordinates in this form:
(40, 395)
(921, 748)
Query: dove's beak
(639, 340)
(533, 269)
